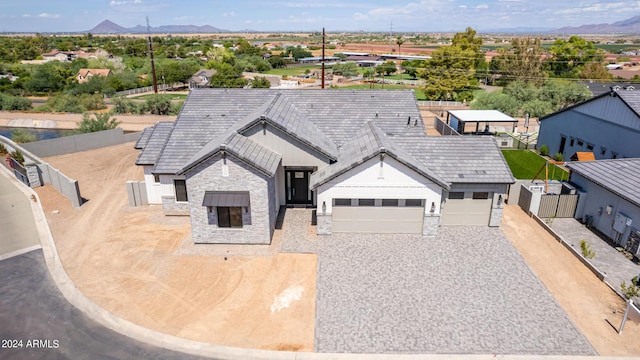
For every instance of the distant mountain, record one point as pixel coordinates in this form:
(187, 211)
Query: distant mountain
(629, 26)
(108, 27)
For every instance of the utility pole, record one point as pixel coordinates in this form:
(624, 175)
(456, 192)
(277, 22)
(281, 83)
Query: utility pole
(153, 66)
(323, 40)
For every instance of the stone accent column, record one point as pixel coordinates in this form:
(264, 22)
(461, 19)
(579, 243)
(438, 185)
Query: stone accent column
(324, 224)
(430, 225)
(33, 174)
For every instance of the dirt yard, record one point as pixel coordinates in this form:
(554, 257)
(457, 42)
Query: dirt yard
(589, 302)
(126, 260)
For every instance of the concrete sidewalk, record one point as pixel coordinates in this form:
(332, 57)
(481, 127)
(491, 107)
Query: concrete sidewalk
(608, 260)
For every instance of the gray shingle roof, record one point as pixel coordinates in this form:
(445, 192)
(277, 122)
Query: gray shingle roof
(632, 98)
(620, 176)
(460, 159)
(366, 144)
(157, 139)
(144, 137)
(242, 148)
(336, 115)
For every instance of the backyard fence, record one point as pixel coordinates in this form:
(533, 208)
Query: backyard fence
(82, 142)
(441, 103)
(443, 128)
(547, 205)
(144, 90)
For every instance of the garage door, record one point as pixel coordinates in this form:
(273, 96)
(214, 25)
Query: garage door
(378, 219)
(466, 212)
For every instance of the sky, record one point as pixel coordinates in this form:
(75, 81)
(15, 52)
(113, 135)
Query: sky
(313, 15)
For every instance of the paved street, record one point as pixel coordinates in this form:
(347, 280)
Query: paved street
(467, 291)
(33, 308)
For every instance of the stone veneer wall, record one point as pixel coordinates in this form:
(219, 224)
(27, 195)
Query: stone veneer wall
(171, 207)
(430, 225)
(258, 219)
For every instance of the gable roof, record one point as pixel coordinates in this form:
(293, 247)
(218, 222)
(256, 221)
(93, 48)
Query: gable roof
(630, 98)
(461, 159)
(367, 144)
(620, 176)
(100, 72)
(242, 148)
(154, 143)
(325, 119)
(144, 138)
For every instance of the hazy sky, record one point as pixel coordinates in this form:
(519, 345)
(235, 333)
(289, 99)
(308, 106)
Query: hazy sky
(310, 15)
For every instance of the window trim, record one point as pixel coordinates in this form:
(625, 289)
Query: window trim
(390, 202)
(480, 195)
(456, 197)
(347, 202)
(406, 202)
(365, 202)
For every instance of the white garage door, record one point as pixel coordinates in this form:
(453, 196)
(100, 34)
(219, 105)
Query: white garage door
(377, 219)
(466, 212)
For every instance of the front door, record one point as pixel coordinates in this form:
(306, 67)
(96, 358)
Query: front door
(298, 187)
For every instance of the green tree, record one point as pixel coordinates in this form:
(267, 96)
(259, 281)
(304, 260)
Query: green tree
(564, 93)
(158, 104)
(227, 76)
(399, 42)
(346, 69)
(387, 68)
(522, 61)
(100, 122)
(411, 67)
(297, 52)
(594, 71)
(260, 82)
(568, 57)
(48, 77)
(496, 100)
(277, 62)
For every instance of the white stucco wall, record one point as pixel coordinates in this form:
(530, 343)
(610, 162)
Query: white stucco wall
(293, 152)
(155, 191)
(367, 181)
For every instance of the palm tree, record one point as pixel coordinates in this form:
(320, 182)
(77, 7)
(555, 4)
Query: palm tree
(399, 41)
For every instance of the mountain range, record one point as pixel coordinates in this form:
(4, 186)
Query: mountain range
(109, 27)
(628, 26)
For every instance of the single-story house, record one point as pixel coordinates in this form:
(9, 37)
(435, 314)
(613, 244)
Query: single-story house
(360, 158)
(491, 120)
(607, 125)
(57, 55)
(84, 75)
(610, 198)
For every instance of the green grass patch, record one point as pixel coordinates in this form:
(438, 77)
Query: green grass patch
(524, 165)
(292, 71)
(169, 96)
(419, 93)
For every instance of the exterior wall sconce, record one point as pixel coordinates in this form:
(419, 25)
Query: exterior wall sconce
(324, 207)
(246, 209)
(500, 200)
(433, 207)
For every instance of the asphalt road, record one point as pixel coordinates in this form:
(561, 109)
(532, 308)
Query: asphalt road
(36, 321)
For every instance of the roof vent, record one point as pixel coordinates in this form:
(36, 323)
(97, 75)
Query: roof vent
(481, 172)
(409, 121)
(376, 114)
(461, 176)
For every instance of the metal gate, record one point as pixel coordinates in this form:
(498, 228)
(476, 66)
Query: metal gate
(524, 201)
(559, 206)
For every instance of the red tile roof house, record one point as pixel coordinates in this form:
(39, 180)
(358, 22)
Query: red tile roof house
(84, 75)
(360, 158)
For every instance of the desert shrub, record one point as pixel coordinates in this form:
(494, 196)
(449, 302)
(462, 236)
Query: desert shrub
(544, 150)
(558, 157)
(8, 102)
(3, 150)
(586, 250)
(158, 105)
(17, 156)
(123, 105)
(176, 107)
(630, 291)
(100, 122)
(22, 136)
(92, 102)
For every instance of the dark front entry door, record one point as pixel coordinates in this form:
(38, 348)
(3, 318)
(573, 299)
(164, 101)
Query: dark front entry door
(298, 187)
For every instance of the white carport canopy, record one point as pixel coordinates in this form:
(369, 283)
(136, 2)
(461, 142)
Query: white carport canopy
(480, 116)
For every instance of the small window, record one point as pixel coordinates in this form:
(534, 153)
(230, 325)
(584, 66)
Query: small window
(480, 195)
(413, 202)
(366, 202)
(504, 143)
(614, 155)
(456, 195)
(571, 142)
(341, 202)
(181, 190)
(589, 147)
(389, 202)
(229, 216)
(580, 143)
(603, 150)
(156, 178)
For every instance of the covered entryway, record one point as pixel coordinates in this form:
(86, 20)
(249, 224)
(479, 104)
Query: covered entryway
(297, 187)
(378, 219)
(470, 209)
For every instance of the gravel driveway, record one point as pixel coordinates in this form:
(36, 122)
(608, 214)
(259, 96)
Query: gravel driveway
(466, 291)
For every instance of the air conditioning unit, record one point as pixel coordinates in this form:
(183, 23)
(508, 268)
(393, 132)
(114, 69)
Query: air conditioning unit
(621, 222)
(536, 188)
(568, 189)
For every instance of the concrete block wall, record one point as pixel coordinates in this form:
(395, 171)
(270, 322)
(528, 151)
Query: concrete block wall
(137, 193)
(82, 142)
(33, 173)
(258, 218)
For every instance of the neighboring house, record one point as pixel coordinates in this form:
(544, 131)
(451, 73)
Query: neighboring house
(201, 79)
(599, 87)
(612, 201)
(62, 56)
(361, 159)
(607, 125)
(84, 75)
(480, 122)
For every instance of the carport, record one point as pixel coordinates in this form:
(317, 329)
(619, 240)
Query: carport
(458, 120)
